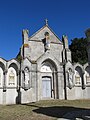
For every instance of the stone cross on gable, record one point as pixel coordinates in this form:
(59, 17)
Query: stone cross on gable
(46, 21)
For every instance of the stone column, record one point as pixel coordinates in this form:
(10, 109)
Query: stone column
(30, 79)
(83, 81)
(5, 78)
(55, 84)
(22, 78)
(4, 86)
(18, 80)
(18, 99)
(61, 86)
(34, 81)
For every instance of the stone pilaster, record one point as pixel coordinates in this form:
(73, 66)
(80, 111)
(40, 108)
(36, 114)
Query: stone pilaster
(4, 82)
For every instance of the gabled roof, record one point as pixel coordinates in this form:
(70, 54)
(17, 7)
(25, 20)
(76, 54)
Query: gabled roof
(39, 35)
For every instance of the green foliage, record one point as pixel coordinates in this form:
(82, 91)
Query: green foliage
(78, 48)
(19, 57)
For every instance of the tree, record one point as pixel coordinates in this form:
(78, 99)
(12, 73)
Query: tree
(78, 49)
(19, 57)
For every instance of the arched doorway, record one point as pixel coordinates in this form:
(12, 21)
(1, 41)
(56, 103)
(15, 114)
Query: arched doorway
(49, 80)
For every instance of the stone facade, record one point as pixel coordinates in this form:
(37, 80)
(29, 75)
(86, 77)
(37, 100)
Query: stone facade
(45, 72)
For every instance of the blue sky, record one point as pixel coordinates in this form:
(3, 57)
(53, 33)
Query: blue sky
(70, 17)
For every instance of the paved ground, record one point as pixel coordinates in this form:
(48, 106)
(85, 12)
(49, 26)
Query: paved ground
(77, 115)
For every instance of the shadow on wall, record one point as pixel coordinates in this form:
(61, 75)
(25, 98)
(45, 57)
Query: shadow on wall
(18, 98)
(66, 112)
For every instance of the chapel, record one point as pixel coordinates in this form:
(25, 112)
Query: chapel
(45, 71)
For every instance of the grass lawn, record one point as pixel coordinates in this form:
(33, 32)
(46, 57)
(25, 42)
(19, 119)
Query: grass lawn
(42, 110)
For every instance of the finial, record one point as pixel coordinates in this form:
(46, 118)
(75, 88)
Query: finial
(46, 21)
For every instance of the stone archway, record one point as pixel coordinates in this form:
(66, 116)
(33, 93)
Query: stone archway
(87, 75)
(49, 80)
(12, 80)
(1, 77)
(78, 76)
